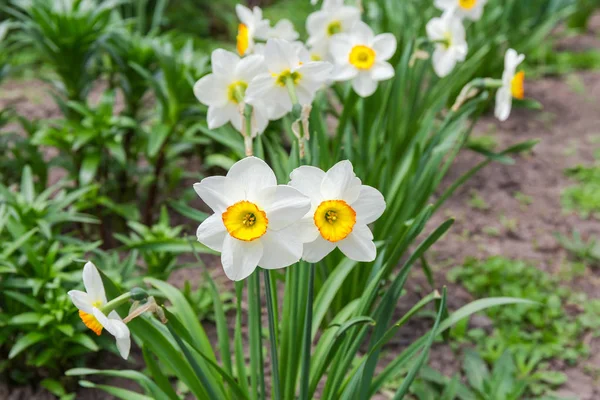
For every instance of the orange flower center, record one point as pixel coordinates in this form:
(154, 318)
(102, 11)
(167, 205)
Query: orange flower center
(245, 221)
(517, 85)
(243, 39)
(91, 322)
(335, 219)
(362, 57)
(467, 4)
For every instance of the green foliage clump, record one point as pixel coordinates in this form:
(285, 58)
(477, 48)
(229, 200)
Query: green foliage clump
(583, 198)
(39, 329)
(501, 381)
(535, 333)
(587, 252)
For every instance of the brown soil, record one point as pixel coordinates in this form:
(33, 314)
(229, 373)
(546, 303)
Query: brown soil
(569, 131)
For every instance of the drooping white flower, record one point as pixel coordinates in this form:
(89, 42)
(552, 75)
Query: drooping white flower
(224, 91)
(341, 208)
(285, 68)
(252, 26)
(253, 220)
(471, 9)
(334, 17)
(451, 46)
(90, 303)
(512, 84)
(283, 29)
(362, 57)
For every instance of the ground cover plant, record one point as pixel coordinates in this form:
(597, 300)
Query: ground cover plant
(335, 139)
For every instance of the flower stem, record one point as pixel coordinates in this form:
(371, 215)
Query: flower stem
(289, 84)
(255, 337)
(115, 303)
(272, 336)
(307, 338)
(471, 89)
(247, 131)
(297, 116)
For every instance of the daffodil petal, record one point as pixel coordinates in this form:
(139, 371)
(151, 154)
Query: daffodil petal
(306, 229)
(369, 206)
(252, 175)
(307, 180)
(382, 71)
(280, 55)
(124, 346)
(240, 258)
(81, 300)
(212, 232)
(344, 72)
(503, 104)
(319, 71)
(219, 116)
(249, 67)
(218, 192)
(224, 62)
(363, 84)
(358, 245)
(211, 91)
(340, 183)
(93, 283)
(317, 250)
(443, 62)
(384, 46)
(281, 249)
(286, 205)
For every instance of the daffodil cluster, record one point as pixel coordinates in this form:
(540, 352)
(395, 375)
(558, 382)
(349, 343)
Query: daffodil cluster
(257, 222)
(273, 71)
(448, 34)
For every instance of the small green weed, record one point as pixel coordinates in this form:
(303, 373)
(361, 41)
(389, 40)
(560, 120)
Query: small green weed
(583, 198)
(534, 333)
(523, 199)
(587, 252)
(477, 202)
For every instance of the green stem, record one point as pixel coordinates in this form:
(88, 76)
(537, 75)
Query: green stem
(115, 303)
(248, 135)
(306, 344)
(289, 84)
(272, 335)
(255, 335)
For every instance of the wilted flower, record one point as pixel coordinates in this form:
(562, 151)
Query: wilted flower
(512, 84)
(471, 9)
(90, 303)
(286, 72)
(253, 218)
(252, 26)
(224, 91)
(362, 57)
(334, 17)
(341, 208)
(448, 33)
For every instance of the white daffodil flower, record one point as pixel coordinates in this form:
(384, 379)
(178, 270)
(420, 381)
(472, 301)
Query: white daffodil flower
(362, 57)
(512, 84)
(224, 91)
(334, 17)
(471, 9)
(253, 220)
(252, 26)
(341, 208)
(90, 303)
(448, 33)
(286, 70)
(284, 29)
